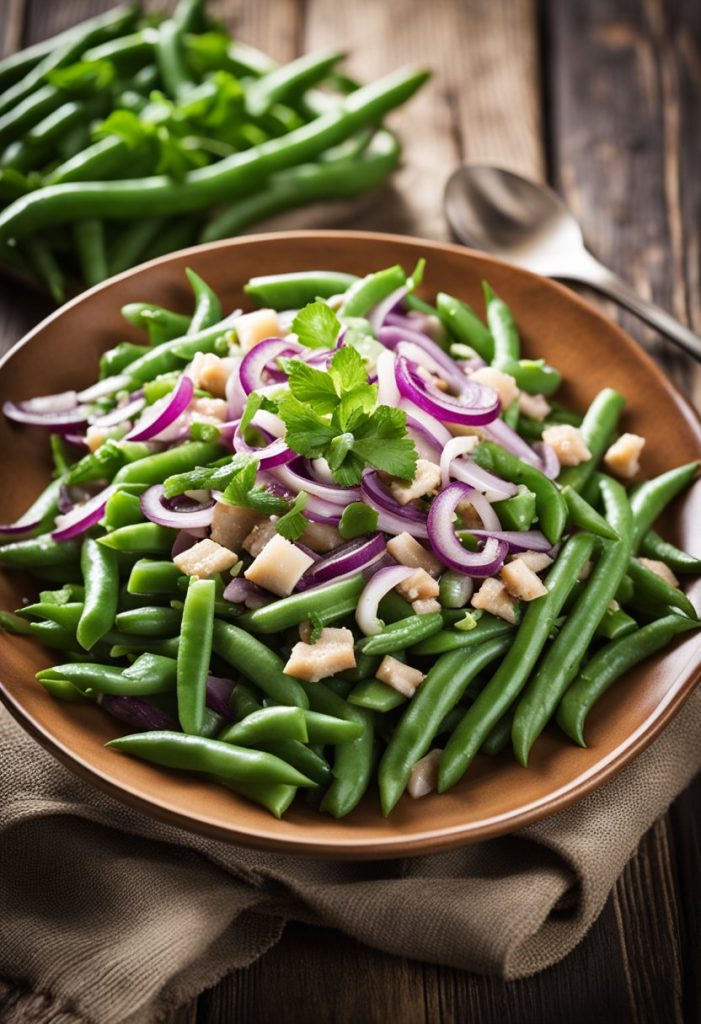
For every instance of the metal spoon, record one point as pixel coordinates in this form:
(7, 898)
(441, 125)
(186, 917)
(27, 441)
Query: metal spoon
(529, 225)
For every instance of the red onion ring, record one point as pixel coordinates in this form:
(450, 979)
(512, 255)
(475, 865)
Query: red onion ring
(255, 361)
(120, 414)
(392, 337)
(241, 591)
(103, 388)
(452, 465)
(137, 713)
(550, 463)
(295, 482)
(381, 583)
(347, 560)
(387, 390)
(165, 512)
(503, 434)
(474, 406)
(518, 540)
(34, 414)
(82, 517)
(270, 455)
(446, 544)
(378, 315)
(218, 694)
(163, 413)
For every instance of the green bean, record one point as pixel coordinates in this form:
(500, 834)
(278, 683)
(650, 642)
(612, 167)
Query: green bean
(597, 429)
(440, 691)
(301, 757)
(122, 509)
(37, 552)
(580, 513)
(275, 797)
(126, 644)
(194, 653)
(145, 314)
(171, 355)
(463, 324)
(100, 571)
(128, 248)
(502, 327)
(47, 268)
(511, 676)
(615, 623)
(499, 737)
(39, 143)
(654, 546)
(258, 663)
(650, 591)
(323, 729)
(170, 55)
(149, 621)
(66, 615)
(406, 632)
(140, 538)
(103, 160)
(376, 696)
(43, 509)
(118, 358)
(149, 667)
(147, 578)
(290, 80)
(155, 468)
(552, 510)
(518, 512)
(368, 291)
(16, 121)
(89, 237)
(455, 590)
(332, 599)
(108, 679)
(294, 290)
(308, 183)
(365, 667)
(12, 623)
(488, 628)
(533, 376)
(61, 689)
(208, 310)
(652, 497)
(52, 635)
(268, 724)
(207, 186)
(562, 661)
(199, 754)
(608, 664)
(126, 48)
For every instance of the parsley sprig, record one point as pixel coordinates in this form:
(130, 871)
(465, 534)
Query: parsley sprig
(242, 490)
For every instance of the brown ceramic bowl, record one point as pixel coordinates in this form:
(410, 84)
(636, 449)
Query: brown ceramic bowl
(497, 795)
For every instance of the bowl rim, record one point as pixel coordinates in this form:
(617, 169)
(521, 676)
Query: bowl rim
(429, 840)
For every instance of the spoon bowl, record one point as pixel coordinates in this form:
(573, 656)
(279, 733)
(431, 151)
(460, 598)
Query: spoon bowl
(528, 224)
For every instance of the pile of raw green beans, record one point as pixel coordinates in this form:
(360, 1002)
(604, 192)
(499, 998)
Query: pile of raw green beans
(201, 680)
(134, 134)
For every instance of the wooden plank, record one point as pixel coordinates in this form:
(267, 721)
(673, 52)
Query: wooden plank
(11, 22)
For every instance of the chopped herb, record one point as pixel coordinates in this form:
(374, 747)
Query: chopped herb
(357, 519)
(466, 624)
(242, 490)
(293, 524)
(317, 624)
(316, 325)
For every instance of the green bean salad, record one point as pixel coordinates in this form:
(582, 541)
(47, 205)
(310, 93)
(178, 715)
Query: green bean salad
(346, 540)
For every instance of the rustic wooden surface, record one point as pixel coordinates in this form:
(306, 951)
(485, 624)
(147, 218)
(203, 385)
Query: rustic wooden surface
(602, 98)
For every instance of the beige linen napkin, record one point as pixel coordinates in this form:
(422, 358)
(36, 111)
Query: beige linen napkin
(110, 918)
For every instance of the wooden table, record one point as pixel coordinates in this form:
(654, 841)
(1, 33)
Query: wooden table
(601, 97)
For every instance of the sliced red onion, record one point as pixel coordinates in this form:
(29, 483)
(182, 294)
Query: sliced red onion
(82, 517)
(434, 427)
(426, 444)
(77, 440)
(218, 695)
(120, 414)
(503, 434)
(290, 478)
(19, 529)
(178, 513)
(241, 591)
(270, 455)
(320, 470)
(446, 544)
(255, 361)
(378, 315)
(415, 354)
(164, 412)
(387, 390)
(484, 510)
(452, 465)
(518, 540)
(392, 517)
(381, 583)
(234, 393)
(103, 388)
(476, 405)
(392, 337)
(137, 713)
(35, 413)
(550, 463)
(320, 511)
(346, 560)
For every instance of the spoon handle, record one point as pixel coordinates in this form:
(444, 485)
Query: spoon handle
(604, 280)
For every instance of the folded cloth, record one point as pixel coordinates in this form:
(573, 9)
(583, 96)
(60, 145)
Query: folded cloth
(109, 917)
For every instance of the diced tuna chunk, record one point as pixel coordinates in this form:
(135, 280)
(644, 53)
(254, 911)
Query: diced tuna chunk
(503, 383)
(231, 524)
(210, 372)
(424, 774)
(535, 406)
(406, 550)
(660, 569)
(535, 560)
(418, 587)
(426, 479)
(205, 559)
(321, 537)
(568, 444)
(279, 566)
(402, 678)
(521, 581)
(493, 597)
(209, 410)
(252, 328)
(623, 457)
(333, 652)
(95, 437)
(261, 532)
(426, 606)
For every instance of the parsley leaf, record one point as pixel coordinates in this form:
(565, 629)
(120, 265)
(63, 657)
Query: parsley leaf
(293, 524)
(382, 441)
(312, 386)
(255, 402)
(347, 370)
(316, 325)
(317, 625)
(242, 490)
(307, 433)
(357, 519)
